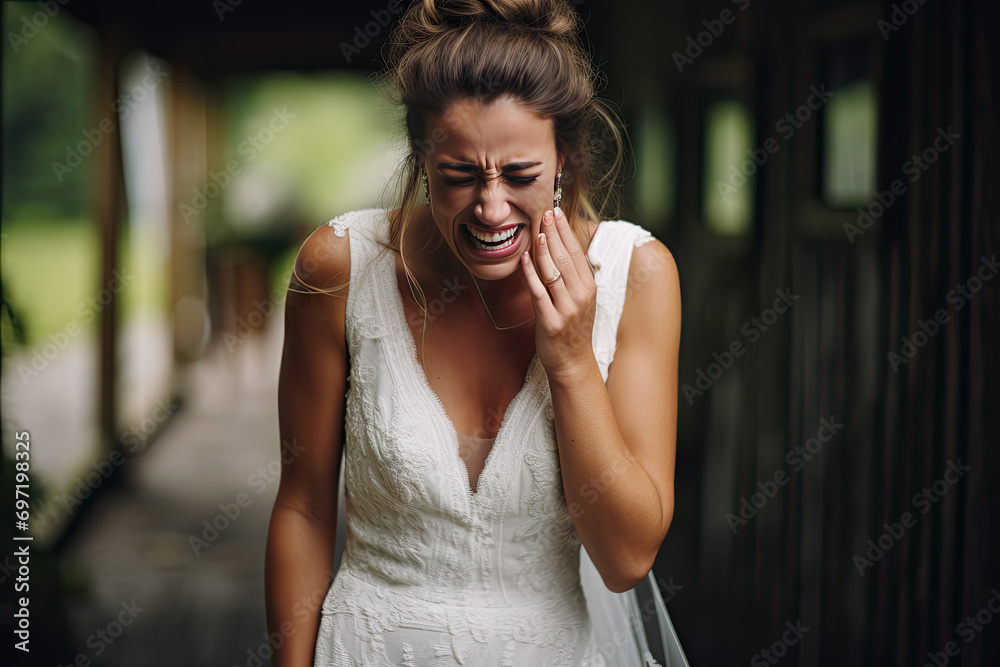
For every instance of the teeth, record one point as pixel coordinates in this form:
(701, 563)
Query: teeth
(486, 237)
(498, 241)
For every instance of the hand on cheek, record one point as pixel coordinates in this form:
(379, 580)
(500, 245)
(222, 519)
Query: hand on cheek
(563, 293)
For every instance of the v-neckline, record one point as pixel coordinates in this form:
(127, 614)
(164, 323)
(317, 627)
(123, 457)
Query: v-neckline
(482, 482)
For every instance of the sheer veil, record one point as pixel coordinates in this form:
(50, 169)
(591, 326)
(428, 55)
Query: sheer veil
(632, 629)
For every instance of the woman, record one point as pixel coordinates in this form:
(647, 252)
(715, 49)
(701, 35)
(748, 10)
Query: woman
(486, 433)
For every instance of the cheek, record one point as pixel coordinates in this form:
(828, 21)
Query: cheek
(536, 201)
(446, 198)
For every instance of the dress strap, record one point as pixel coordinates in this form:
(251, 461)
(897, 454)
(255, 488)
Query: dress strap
(610, 253)
(369, 235)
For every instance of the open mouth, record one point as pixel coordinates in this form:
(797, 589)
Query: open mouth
(492, 242)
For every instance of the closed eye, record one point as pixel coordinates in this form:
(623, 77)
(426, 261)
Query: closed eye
(458, 182)
(465, 182)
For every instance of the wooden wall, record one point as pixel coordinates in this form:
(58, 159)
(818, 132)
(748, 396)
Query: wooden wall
(827, 357)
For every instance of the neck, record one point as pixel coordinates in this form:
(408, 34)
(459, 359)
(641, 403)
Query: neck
(508, 290)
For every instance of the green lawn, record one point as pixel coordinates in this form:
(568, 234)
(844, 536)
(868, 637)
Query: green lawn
(51, 273)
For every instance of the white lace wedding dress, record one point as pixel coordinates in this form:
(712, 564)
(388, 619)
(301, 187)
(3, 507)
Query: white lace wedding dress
(434, 573)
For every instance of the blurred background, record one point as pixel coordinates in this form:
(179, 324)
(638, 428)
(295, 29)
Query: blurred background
(821, 171)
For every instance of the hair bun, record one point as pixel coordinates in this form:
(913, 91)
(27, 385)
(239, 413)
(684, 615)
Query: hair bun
(553, 17)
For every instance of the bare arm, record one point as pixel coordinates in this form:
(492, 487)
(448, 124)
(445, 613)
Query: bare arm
(616, 440)
(311, 389)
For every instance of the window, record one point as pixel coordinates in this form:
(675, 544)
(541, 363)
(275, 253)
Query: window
(656, 166)
(728, 183)
(849, 135)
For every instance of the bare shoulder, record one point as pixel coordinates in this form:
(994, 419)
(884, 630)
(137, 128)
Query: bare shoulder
(323, 263)
(316, 306)
(653, 265)
(653, 295)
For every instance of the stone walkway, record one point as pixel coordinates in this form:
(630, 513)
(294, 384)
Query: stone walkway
(187, 602)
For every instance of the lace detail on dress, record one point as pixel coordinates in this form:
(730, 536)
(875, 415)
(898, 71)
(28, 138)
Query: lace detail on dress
(340, 225)
(549, 530)
(434, 574)
(642, 238)
(408, 656)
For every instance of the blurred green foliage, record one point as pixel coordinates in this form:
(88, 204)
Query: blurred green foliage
(52, 269)
(340, 148)
(49, 243)
(48, 95)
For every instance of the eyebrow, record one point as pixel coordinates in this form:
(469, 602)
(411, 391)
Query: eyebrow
(472, 169)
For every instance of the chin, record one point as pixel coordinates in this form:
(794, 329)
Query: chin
(495, 272)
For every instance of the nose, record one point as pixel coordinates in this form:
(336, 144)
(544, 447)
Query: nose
(492, 208)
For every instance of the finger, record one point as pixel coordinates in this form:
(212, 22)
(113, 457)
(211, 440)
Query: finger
(576, 252)
(550, 274)
(558, 251)
(541, 254)
(542, 300)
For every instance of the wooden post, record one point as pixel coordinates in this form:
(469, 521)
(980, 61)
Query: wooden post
(188, 129)
(108, 211)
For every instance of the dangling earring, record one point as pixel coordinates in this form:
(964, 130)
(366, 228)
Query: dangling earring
(558, 197)
(427, 190)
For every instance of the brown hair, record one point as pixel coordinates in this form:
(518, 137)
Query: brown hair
(442, 51)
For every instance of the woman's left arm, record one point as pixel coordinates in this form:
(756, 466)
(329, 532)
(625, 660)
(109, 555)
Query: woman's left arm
(616, 440)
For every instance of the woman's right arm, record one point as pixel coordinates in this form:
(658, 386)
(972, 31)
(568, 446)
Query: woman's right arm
(311, 393)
